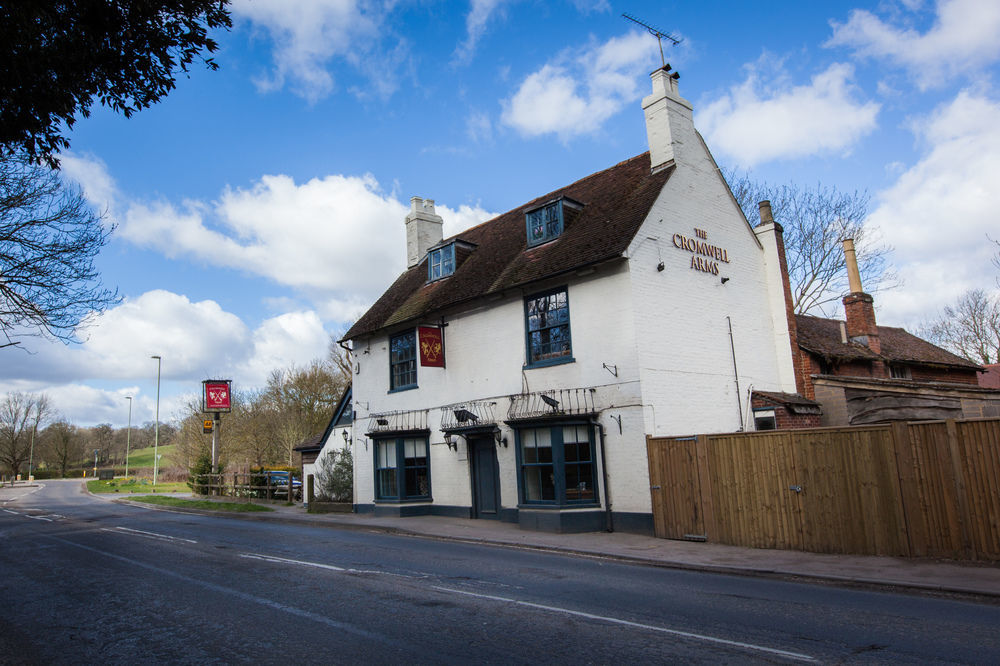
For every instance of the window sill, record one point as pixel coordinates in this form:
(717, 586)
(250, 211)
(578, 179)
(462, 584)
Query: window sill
(555, 506)
(550, 362)
(403, 388)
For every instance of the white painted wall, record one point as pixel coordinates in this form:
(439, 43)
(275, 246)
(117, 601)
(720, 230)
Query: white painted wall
(682, 331)
(485, 354)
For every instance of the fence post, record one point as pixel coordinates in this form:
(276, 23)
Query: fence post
(915, 537)
(705, 486)
(964, 519)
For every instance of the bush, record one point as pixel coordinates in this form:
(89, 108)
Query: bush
(202, 465)
(335, 477)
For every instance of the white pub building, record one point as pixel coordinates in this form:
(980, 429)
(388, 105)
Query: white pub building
(513, 371)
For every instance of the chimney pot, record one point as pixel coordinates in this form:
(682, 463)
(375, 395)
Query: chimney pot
(765, 211)
(853, 274)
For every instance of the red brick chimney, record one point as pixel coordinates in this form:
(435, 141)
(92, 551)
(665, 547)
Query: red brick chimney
(859, 310)
(803, 382)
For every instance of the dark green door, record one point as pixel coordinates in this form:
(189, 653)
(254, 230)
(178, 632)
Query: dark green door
(485, 478)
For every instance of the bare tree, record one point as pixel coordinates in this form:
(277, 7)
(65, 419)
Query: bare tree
(63, 444)
(970, 327)
(816, 221)
(101, 438)
(49, 238)
(21, 415)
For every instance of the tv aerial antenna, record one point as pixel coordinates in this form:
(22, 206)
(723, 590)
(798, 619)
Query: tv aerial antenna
(655, 32)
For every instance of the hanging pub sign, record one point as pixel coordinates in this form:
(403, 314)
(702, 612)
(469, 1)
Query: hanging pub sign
(431, 346)
(216, 395)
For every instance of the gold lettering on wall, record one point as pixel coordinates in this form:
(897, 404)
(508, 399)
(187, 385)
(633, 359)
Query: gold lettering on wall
(705, 257)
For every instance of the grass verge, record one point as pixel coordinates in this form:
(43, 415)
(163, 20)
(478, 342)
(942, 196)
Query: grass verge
(200, 504)
(133, 485)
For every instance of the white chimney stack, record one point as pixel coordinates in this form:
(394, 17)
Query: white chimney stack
(423, 230)
(669, 121)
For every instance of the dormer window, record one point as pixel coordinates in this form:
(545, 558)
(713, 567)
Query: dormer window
(547, 222)
(441, 262)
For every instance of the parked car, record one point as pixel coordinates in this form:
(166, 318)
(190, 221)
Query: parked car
(279, 480)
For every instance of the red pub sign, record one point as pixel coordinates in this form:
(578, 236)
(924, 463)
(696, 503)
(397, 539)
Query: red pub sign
(431, 346)
(216, 395)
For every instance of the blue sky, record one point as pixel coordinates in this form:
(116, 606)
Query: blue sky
(260, 207)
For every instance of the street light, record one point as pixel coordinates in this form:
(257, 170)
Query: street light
(31, 451)
(128, 434)
(95, 461)
(156, 435)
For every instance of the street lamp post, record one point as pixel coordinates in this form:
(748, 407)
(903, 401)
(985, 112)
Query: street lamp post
(128, 434)
(95, 462)
(156, 435)
(31, 450)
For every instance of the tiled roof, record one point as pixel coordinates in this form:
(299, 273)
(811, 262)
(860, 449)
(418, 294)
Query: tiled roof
(616, 202)
(792, 400)
(823, 338)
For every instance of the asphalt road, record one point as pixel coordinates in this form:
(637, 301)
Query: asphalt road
(84, 580)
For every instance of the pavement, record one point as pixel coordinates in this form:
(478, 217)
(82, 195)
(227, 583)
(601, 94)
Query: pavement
(917, 574)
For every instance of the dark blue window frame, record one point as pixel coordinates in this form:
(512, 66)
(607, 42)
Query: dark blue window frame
(441, 262)
(547, 335)
(403, 361)
(402, 468)
(544, 224)
(555, 469)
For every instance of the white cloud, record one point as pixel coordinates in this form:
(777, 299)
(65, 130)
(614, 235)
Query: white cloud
(939, 212)
(193, 336)
(962, 39)
(91, 174)
(338, 239)
(576, 95)
(480, 12)
(308, 34)
(293, 338)
(196, 340)
(754, 124)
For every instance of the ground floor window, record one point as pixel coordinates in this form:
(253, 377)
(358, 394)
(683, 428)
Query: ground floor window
(402, 468)
(557, 464)
(764, 419)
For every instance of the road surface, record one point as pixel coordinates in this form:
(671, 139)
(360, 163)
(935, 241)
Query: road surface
(86, 580)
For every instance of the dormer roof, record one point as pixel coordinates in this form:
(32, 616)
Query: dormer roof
(615, 202)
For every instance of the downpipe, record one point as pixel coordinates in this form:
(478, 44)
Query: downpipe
(609, 520)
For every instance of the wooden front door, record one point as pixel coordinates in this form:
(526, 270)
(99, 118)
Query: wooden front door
(485, 478)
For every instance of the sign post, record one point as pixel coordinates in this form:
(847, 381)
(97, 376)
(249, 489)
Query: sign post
(216, 397)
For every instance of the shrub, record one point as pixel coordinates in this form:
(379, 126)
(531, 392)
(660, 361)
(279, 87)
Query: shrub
(202, 465)
(335, 476)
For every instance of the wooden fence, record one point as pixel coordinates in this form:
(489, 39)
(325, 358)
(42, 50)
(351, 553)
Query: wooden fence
(240, 486)
(922, 489)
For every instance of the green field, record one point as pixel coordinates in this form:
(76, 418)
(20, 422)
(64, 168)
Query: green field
(201, 504)
(133, 485)
(144, 457)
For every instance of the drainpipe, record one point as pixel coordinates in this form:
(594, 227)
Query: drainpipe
(736, 374)
(604, 476)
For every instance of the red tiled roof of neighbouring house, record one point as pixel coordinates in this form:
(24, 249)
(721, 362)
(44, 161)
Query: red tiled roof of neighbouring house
(615, 203)
(823, 338)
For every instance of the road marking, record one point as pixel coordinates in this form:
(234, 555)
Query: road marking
(243, 596)
(319, 565)
(48, 520)
(13, 512)
(614, 620)
(150, 535)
